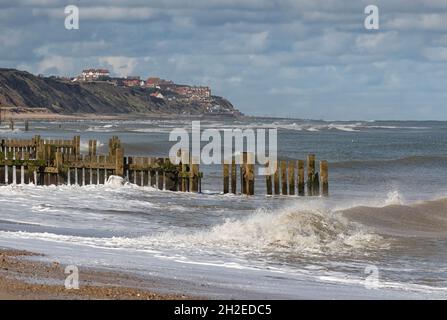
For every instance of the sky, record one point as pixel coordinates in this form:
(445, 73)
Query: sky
(284, 58)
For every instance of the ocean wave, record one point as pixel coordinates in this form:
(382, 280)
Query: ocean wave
(411, 160)
(424, 219)
(294, 231)
(291, 230)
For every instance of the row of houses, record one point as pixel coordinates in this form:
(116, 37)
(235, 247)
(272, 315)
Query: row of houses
(185, 91)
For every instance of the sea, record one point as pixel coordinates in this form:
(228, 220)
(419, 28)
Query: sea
(381, 234)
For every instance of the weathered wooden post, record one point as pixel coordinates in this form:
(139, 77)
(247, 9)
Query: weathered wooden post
(59, 165)
(94, 145)
(153, 172)
(194, 177)
(185, 171)
(171, 176)
(276, 179)
(76, 145)
(161, 172)
(27, 173)
(244, 173)
(291, 175)
(316, 185)
(119, 162)
(250, 173)
(284, 177)
(233, 175)
(226, 177)
(301, 191)
(310, 174)
(268, 179)
(324, 178)
(101, 170)
(146, 171)
(26, 125)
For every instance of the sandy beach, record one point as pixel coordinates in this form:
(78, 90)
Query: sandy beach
(25, 279)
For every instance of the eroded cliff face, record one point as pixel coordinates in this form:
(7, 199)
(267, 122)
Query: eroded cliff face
(21, 90)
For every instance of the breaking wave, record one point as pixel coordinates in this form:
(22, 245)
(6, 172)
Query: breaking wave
(292, 231)
(423, 219)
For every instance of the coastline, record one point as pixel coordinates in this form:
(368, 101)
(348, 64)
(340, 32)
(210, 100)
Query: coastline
(22, 278)
(43, 116)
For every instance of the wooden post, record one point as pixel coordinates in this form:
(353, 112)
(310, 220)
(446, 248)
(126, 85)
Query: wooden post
(171, 176)
(316, 185)
(153, 172)
(59, 160)
(301, 191)
(226, 178)
(78, 145)
(101, 170)
(324, 178)
(185, 170)
(194, 177)
(145, 172)
(276, 179)
(233, 175)
(284, 177)
(250, 173)
(244, 173)
(310, 174)
(90, 147)
(94, 169)
(94, 145)
(119, 162)
(26, 125)
(291, 175)
(130, 172)
(160, 162)
(28, 174)
(268, 179)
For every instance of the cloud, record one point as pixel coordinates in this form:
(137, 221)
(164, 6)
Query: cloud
(307, 58)
(121, 66)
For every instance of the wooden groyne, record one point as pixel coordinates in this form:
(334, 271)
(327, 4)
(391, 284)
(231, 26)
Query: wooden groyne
(288, 177)
(59, 162)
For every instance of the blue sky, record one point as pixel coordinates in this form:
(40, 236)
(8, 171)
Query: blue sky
(298, 58)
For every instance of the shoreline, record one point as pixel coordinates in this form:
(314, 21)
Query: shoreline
(22, 278)
(44, 116)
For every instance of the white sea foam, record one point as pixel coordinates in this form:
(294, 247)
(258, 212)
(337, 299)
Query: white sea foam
(115, 182)
(292, 230)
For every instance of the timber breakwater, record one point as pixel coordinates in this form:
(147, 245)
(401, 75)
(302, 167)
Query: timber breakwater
(57, 162)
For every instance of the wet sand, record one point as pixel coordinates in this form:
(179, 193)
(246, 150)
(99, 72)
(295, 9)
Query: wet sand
(22, 278)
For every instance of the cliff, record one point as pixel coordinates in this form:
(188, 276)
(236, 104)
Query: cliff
(23, 92)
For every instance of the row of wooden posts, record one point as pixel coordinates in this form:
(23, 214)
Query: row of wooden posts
(12, 125)
(57, 162)
(288, 177)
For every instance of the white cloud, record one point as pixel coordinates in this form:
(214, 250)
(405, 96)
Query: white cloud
(121, 66)
(436, 53)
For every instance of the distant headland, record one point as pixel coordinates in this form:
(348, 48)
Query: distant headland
(95, 93)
